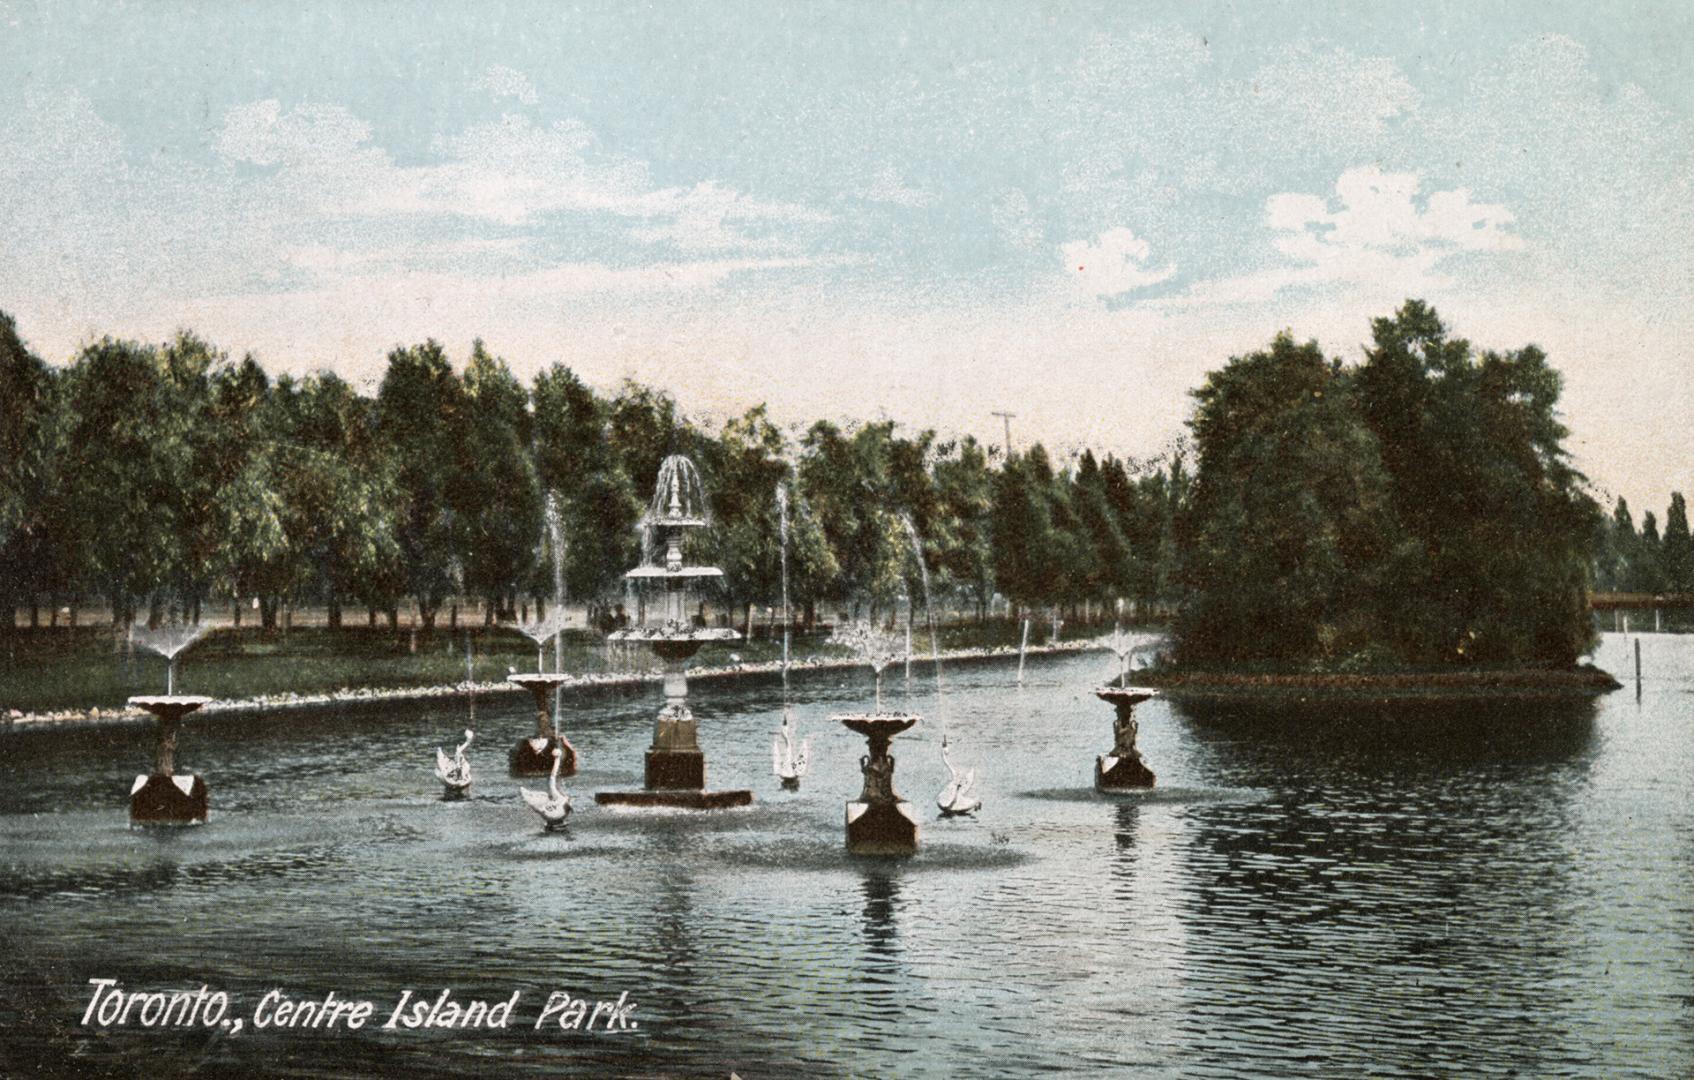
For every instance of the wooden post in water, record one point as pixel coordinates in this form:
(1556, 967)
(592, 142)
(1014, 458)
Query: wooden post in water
(1637, 669)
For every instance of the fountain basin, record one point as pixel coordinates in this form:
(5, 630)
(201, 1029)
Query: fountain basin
(678, 572)
(1130, 696)
(169, 706)
(877, 727)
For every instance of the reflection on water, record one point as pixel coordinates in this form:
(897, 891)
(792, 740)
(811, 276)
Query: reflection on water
(1408, 890)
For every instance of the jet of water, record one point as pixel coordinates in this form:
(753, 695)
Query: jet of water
(928, 608)
(678, 494)
(167, 641)
(1123, 646)
(782, 541)
(875, 647)
(556, 534)
(540, 630)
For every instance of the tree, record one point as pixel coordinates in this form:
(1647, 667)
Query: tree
(964, 491)
(1678, 547)
(1647, 569)
(1289, 535)
(496, 489)
(577, 458)
(1501, 525)
(339, 494)
(29, 450)
(421, 417)
(746, 465)
(1617, 549)
(126, 463)
(1022, 529)
(1111, 566)
(846, 480)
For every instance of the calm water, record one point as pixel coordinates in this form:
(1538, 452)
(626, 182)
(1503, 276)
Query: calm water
(1448, 889)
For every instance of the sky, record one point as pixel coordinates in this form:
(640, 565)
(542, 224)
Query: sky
(925, 212)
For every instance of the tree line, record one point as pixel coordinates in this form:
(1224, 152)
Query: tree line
(161, 478)
(1648, 560)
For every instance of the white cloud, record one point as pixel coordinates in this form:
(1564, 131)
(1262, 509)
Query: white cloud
(1375, 234)
(510, 172)
(501, 81)
(1113, 264)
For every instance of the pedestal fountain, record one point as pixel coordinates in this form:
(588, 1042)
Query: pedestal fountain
(1124, 768)
(879, 822)
(162, 797)
(675, 773)
(534, 756)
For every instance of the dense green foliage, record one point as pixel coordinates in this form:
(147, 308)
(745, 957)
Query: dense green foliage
(156, 479)
(1646, 561)
(1416, 508)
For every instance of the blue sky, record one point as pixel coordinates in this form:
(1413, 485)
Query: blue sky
(919, 211)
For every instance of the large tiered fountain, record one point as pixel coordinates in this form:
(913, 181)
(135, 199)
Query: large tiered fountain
(675, 766)
(162, 797)
(879, 821)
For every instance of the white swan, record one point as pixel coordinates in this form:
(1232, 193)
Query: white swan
(554, 806)
(788, 760)
(959, 796)
(455, 771)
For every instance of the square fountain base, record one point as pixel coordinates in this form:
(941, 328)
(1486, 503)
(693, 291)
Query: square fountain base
(1122, 773)
(534, 757)
(678, 798)
(667, 769)
(882, 828)
(158, 799)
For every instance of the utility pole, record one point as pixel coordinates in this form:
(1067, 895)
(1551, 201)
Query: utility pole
(1007, 417)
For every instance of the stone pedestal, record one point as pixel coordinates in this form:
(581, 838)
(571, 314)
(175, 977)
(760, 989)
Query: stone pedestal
(158, 799)
(1123, 769)
(880, 822)
(675, 773)
(534, 756)
(162, 797)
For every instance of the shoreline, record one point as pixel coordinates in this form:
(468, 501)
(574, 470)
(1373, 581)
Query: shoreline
(1585, 680)
(1516, 683)
(588, 681)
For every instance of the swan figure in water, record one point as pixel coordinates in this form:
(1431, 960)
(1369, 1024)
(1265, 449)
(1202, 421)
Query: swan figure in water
(959, 796)
(789, 760)
(455, 771)
(554, 806)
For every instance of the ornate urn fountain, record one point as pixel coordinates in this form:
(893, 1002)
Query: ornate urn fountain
(162, 797)
(879, 822)
(675, 773)
(1123, 768)
(533, 756)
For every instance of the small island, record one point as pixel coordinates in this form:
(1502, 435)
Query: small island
(1409, 525)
